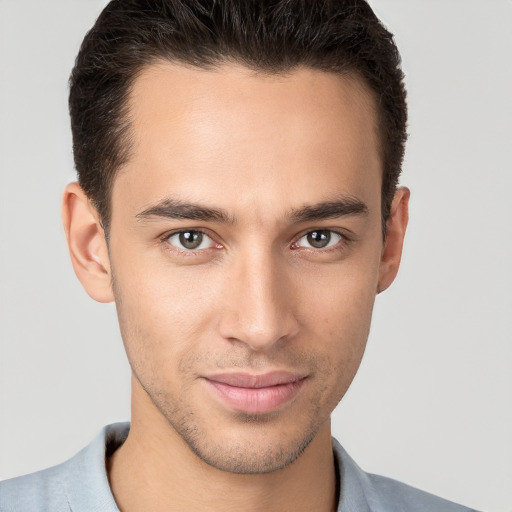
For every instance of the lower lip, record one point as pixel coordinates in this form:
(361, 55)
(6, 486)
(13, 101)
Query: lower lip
(255, 400)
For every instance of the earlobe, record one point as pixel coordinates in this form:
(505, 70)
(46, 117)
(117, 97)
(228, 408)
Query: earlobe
(395, 233)
(86, 242)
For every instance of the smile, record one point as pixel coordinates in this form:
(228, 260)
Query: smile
(255, 394)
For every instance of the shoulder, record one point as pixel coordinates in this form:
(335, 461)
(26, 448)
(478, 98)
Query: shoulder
(361, 491)
(36, 492)
(79, 484)
(390, 494)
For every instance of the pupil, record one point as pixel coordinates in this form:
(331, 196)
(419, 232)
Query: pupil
(191, 239)
(319, 239)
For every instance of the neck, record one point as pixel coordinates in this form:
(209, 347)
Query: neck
(156, 470)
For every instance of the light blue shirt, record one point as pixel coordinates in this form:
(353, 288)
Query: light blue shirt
(81, 485)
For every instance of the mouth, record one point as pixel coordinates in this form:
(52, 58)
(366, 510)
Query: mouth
(255, 393)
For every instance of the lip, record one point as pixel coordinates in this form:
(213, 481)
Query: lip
(255, 393)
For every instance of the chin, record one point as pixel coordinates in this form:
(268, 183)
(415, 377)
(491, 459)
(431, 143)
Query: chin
(251, 458)
(255, 444)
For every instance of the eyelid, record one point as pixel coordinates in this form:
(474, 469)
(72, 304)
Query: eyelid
(166, 236)
(344, 240)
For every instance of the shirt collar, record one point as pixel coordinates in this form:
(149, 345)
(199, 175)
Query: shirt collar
(87, 488)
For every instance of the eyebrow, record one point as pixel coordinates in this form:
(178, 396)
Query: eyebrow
(176, 209)
(330, 210)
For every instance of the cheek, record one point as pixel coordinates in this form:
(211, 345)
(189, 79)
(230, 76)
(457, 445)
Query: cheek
(336, 315)
(342, 334)
(339, 300)
(162, 314)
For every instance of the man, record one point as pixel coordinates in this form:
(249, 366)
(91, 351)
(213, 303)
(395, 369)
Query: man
(237, 199)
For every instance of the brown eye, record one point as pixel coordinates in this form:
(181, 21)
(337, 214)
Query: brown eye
(190, 240)
(319, 239)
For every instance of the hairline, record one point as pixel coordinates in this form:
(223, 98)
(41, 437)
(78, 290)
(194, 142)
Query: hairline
(126, 139)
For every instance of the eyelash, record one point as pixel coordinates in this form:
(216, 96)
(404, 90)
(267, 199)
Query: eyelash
(188, 252)
(340, 245)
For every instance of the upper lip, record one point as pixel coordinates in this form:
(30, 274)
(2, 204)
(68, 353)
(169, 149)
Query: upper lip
(250, 380)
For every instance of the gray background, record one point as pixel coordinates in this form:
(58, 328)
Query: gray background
(432, 403)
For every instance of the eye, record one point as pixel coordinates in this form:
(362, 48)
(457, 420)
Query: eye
(319, 239)
(190, 240)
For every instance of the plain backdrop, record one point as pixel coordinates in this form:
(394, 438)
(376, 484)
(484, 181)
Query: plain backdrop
(432, 403)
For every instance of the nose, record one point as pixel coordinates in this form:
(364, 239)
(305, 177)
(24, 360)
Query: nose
(259, 308)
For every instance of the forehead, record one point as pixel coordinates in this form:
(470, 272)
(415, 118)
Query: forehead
(212, 134)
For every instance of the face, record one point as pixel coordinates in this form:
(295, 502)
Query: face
(246, 251)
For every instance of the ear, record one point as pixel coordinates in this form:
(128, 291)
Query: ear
(86, 242)
(395, 232)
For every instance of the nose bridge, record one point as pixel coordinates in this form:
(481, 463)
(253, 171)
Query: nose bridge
(260, 311)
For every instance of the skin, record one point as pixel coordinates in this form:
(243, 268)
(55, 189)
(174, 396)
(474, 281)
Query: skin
(256, 296)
